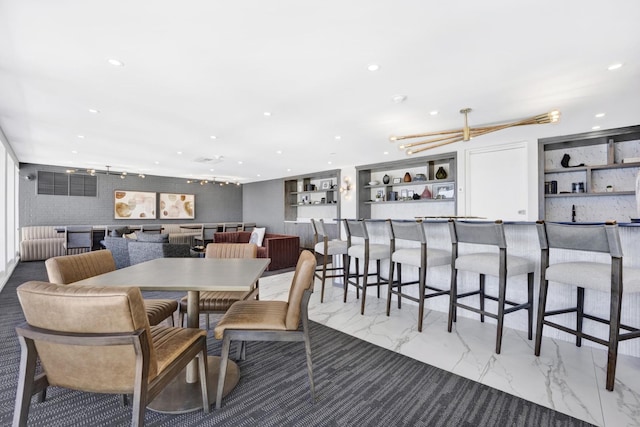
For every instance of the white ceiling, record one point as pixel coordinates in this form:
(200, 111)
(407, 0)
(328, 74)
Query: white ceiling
(205, 67)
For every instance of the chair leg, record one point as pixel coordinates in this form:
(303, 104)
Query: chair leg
(180, 317)
(28, 358)
(365, 276)
(453, 298)
(204, 377)
(226, 343)
(378, 275)
(389, 288)
(399, 286)
(579, 315)
(347, 275)
(324, 275)
(614, 335)
(422, 274)
(358, 278)
(542, 303)
(530, 300)
(207, 320)
(502, 291)
(307, 348)
(481, 295)
(170, 321)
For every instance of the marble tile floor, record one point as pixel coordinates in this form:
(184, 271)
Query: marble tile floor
(565, 378)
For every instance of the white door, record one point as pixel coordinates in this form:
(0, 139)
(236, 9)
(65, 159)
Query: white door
(496, 182)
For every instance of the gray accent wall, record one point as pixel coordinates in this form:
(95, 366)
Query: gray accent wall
(263, 203)
(213, 203)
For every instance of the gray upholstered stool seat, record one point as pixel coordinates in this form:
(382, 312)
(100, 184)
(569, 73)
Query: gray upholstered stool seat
(366, 252)
(423, 257)
(610, 278)
(497, 264)
(328, 248)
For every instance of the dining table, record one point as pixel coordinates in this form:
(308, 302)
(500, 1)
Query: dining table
(191, 275)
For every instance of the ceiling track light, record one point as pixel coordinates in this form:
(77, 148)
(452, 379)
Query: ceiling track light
(438, 139)
(213, 181)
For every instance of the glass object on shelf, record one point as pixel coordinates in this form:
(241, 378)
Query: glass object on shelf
(385, 179)
(441, 173)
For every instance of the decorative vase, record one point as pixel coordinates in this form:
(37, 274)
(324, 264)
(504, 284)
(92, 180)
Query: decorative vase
(426, 194)
(441, 173)
(385, 179)
(407, 177)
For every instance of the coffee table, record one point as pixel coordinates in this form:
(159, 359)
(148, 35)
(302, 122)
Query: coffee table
(191, 275)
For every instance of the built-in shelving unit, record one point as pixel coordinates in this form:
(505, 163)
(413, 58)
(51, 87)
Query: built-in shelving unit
(408, 188)
(603, 164)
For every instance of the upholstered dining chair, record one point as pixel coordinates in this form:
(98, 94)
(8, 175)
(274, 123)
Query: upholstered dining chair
(327, 249)
(97, 339)
(78, 237)
(212, 302)
(608, 279)
(63, 270)
(252, 320)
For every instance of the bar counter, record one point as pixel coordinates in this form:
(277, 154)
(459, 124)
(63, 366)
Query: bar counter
(522, 240)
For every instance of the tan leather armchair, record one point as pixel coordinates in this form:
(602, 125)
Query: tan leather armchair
(270, 320)
(98, 339)
(212, 302)
(67, 269)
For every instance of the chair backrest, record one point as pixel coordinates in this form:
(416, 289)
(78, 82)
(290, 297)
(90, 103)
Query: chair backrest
(73, 309)
(481, 233)
(248, 226)
(356, 228)
(79, 236)
(208, 231)
(319, 228)
(67, 269)
(231, 250)
(302, 281)
(580, 237)
(407, 230)
(230, 226)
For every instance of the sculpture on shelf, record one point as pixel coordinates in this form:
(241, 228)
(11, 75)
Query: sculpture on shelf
(426, 194)
(385, 179)
(441, 173)
(407, 177)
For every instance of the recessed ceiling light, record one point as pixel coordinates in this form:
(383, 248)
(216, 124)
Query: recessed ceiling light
(595, 127)
(81, 136)
(239, 162)
(267, 114)
(614, 66)
(338, 137)
(74, 151)
(329, 162)
(433, 113)
(373, 67)
(385, 153)
(115, 62)
(93, 111)
(599, 115)
(213, 137)
(157, 163)
(211, 170)
(288, 169)
(179, 152)
(279, 152)
(258, 175)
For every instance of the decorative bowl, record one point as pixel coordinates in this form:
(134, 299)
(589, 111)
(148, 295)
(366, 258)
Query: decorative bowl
(373, 183)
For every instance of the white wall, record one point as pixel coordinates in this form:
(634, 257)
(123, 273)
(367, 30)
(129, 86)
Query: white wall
(9, 177)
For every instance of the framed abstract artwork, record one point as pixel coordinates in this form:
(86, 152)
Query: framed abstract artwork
(177, 206)
(134, 205)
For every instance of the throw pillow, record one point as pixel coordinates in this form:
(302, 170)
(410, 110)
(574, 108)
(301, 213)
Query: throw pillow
(119, 232)
(153, 238)
(257, 235)
(131, 236)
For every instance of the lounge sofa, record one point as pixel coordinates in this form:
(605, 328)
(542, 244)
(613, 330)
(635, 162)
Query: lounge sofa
(281, 248)
(40, 242)
(127, 252)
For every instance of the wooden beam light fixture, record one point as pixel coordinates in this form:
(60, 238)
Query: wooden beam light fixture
(438, 139)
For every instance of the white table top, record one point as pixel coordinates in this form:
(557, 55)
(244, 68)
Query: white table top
(186, 274)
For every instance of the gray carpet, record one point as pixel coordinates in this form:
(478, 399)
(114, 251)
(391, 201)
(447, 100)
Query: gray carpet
(357, 384)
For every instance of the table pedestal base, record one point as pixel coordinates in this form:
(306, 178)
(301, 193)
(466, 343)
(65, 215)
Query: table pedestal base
(180, 396)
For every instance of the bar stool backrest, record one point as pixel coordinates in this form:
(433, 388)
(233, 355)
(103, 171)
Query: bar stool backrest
(407, 230)
(356, 228)
(318, 228)
(589, 238)
(481, 233)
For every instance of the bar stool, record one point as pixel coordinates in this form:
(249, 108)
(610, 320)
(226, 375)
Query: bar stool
(495, 264)
(422, 257)
(328, 248)
(609, 277)
(367, 252)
